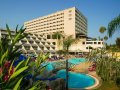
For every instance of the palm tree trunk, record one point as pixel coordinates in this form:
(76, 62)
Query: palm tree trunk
(67, 74)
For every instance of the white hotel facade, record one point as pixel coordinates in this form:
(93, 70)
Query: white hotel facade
(69, 21)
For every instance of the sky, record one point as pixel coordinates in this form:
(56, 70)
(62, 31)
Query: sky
(98, 12)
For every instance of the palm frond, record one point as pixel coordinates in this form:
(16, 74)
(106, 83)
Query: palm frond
(113, 26)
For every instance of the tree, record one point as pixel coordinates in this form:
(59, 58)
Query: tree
(105, 38)
(67, 42)
(59, 36)
(94, 39)
(102, 29)
(118, 42)
(113, 26)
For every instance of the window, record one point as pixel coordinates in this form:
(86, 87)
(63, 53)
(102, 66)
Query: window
(90, 47)
(48, 48)
(95, 42)
(53, 48)
(89, 42)
(54, 43)
(99, 42)
(83, 42)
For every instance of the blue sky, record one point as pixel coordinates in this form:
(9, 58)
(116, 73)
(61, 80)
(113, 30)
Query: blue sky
(98, 12)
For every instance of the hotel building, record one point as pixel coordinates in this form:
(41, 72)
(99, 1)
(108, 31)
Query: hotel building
(69, 22)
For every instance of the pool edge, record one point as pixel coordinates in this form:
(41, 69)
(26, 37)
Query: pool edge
(96, 82)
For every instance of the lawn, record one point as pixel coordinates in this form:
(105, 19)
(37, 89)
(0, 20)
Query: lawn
(108, 86)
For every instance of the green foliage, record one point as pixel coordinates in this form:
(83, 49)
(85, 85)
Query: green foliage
(108, 68)
(67, 42)
(9, 43)
(109, 85)
(105, 38)
(58, 35)
(94, 39)
(64, 41)
(9, 77)
(13, 78)
(118, 43)
(17, 85)
(102, 29)
(112, 48)
(113, 26)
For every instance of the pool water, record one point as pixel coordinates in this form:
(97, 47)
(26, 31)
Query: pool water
(76, 60)
(72, 61)
(76, 80)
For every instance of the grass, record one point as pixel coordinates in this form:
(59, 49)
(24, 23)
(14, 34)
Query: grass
(108, 86)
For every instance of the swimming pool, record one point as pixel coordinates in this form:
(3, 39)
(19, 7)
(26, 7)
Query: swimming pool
(74, 61)
(76, 80)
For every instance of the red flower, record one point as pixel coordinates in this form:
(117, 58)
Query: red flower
(1, 71)
(6, 78)
(12, 71)
(7, 64)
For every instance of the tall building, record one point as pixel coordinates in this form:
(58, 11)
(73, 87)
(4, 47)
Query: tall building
(69, 21)
(40, 38)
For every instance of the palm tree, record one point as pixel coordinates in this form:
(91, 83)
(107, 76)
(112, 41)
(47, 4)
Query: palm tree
(68, 41)
(65, 42)
(59, 36)
(114, 25)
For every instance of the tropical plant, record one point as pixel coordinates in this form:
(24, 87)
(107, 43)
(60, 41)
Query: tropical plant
(108, 68)
(35, 69)
(16, 77)
(68, 41)
(113, 26)
(59, 36)
(10, 76)
(9, 43)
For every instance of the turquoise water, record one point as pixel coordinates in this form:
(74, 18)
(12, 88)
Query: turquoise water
(72, 61)
(76, 80)
(76, 60)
